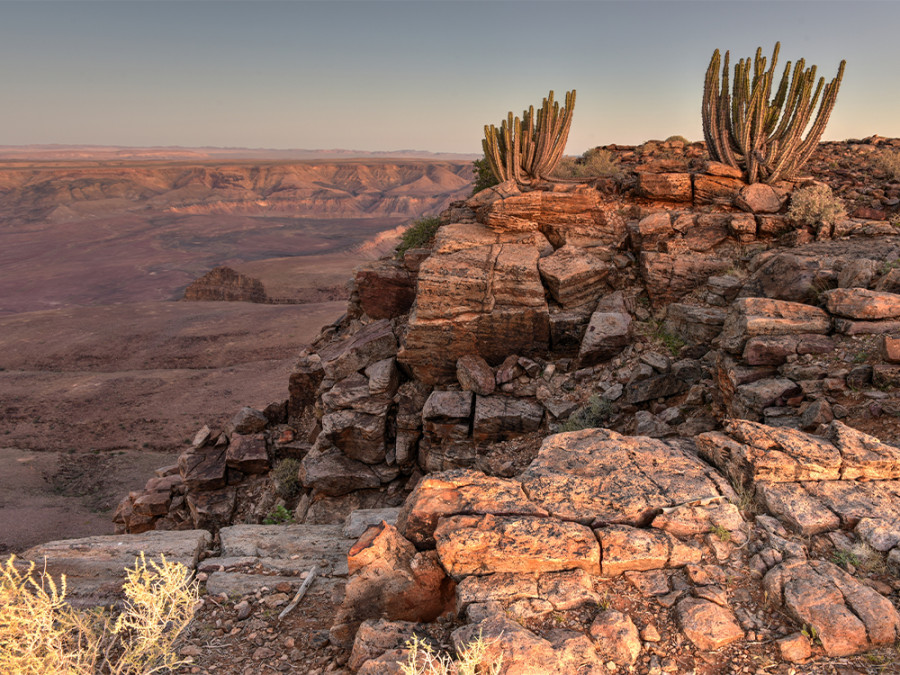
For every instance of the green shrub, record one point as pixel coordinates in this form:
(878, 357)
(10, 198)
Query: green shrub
(279, 516)
(484, 176)
(286, 477)
(418, 234)
(596, 413)
(595, 163)
(815, 205)
(41, 634)
(888, 163)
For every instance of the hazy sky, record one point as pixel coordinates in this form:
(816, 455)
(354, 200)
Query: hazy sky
(427, 75)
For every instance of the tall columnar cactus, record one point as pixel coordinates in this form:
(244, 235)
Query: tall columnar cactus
(529, 148)
(760, 135)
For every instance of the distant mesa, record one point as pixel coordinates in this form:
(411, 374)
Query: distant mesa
(225, 284)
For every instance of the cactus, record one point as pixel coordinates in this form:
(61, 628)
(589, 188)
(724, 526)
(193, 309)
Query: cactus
(527, 149)
(761, 136)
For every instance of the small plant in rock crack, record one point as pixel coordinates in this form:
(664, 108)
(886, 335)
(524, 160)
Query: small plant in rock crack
(596, 413)
(721, 532)
(810, 633)
(286, 477)
(279, 516)
(423, 660)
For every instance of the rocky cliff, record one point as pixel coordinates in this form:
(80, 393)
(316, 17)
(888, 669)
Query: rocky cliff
(638, 425)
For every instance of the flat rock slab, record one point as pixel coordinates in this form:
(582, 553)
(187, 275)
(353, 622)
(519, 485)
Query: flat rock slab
(460, 492)
(597, 476)
(749, 317)
(708, 625)
(95, 566)
(849, 617)
(528, 594)
(469, 545)
(861, 303)
(756, 451)
(304, 545)
(628, 548)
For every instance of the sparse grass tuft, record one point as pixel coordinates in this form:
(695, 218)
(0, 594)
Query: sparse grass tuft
(594, 163)
(596, 413)
(888, 163)
(286, 477)
(41, 633)
(418, 234)
(721, 532)
(423, 660)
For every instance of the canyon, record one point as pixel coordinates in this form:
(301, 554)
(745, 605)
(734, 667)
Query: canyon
(104, 369)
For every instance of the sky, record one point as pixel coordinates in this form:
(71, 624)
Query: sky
(415, 74)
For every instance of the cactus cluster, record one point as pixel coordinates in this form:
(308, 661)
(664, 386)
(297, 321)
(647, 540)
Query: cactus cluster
(760, 135)
(528, 149)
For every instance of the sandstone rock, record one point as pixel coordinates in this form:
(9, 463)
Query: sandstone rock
(849, 617)
(386, 289)
(719, 169)
(616, 637)
(863, 457)
(861, 303)
(567, 329)
(487, 301)
(573, 276)
(527, 596)
(694, 324)
(628, 548)
(390, 580)
(521, 651)
(248, 454)
(377, 636)
(890, 348)
(248, 421)
(95, 566)
(742, 227)
(796, 508)
(692, 519)
(670, 187)
(599, 476)
(708, 625)
(750, 400)
(359, 436)
(383, 379)
(717, 189)
(858, 273)
(286, 548)
(331, 472)
(501, 417)
(203, 468)
(657, 386)
(795, 648)
(152, 504)
(607, 334)
(580, 217)
(456, 493)
(211, 510)
(374, 342)
(751, 317)
(760, 198)
(485, 544)
(460, 236)
(669, 277)
(650, 231)
(474, 374)
(303, 383)
(225, 284)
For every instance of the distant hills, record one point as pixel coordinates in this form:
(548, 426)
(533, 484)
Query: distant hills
(174, 152)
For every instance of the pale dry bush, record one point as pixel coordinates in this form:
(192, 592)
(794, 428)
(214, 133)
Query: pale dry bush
(815, 204)
(423, 660)
(888, 162)
(595, 163)
(41, 634)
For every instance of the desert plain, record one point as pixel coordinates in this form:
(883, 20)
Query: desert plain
(105, 371)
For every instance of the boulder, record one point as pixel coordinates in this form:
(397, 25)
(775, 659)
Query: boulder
(670, 187)
(203, 468)
(749, 317)
(861, 303)
(248, 421)
(359, 436)
(760, 198)
(607, 334)
(211, 510)
(651, 231)
(597, 476)
(248, 454)
(390, 580)
(629, 548)
(304, 383)
(695, 324)
(502, 417)
(708, 625)
(524, 544)
(474, 374)
(669, 277)
(372, 343)
(459, 492)
(386, 289)
(616, 637)
(573, 276)
(331, 472)
(849, 617)
(527, 596)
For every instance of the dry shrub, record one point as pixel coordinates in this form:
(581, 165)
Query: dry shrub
(888, 163)
(815, 205)
(423, 660)
(41, 634)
